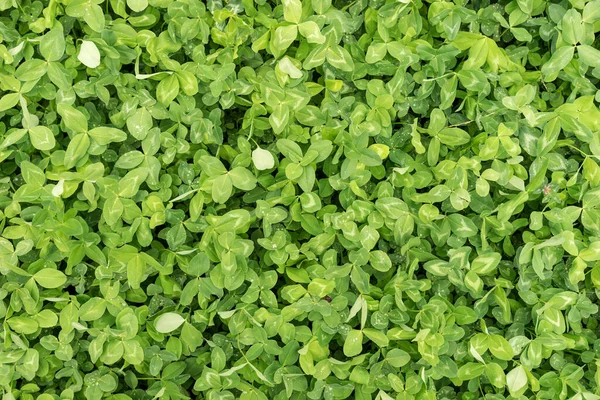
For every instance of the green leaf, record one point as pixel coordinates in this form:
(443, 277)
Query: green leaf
(130, 183)
(139, 123)
(376, 52)
(353, 343)
(242, 179)
(290, 150)
(92, 309)
(589, 55)
(42, 138)
(136, 268)
(591, 13)
(486, 263)
(176, 236)
(288, 67)
(282, 38)
(167, 90)
(73, 118)
(137, 5)
(212, 165)
(558, 61)
(397, 358)
(292, 10)
(112, 210)
(315, 58)
(495, 375)
(500, 347)
(321, 287)
(52, 45)
(76, 149)
(222, 187)
(464, 315)
(9, 101)
(24, 325)
(516, 381)
(50, 278)
(31, 70)
(32, 173)
(133, 353)
(279, 118)
(94, 17)
(470, 371)
(310, 30)
(168, 322)
(376, 336)
(106, 135)
(572, 27)
(340, 58)
(453, 136)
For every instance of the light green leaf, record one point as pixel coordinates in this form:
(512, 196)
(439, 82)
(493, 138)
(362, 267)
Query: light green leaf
(89, 55)
(292, 10)
(516, 381)
(52, 45)
(137, 5)
(310, 30)
(242, 178)
(92, 309)
(42, 138)
(76, 149)
(262, 159)
(353, 343)
(572, 28)
(50, 278)
(168, 322)
(222, 187)
(340, 58)
(500, 347)
(486, 263)
(105, 135)
(559, 60)
(589, 55)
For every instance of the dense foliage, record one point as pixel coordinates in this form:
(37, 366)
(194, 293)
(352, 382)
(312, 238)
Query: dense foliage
(285, 199)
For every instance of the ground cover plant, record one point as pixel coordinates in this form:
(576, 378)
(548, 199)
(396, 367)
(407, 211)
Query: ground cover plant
(314, 199)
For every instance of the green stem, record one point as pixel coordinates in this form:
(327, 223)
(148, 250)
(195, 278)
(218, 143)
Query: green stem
(439, 77)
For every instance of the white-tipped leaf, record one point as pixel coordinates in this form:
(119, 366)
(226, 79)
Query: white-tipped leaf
(516, 381)
(168, 322)
(287, 66)
(262, 159)
(89, 55)
(58, 190)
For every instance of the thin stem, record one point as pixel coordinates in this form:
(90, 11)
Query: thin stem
(251, 131)
(439, 77)
(471, 121)
(579, 150)
(583, 154)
